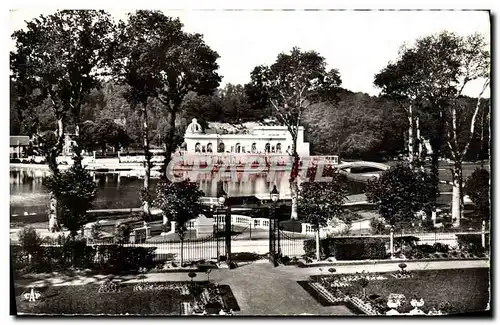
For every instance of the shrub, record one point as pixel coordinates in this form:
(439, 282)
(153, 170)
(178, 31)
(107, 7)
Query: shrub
(426, 249)
(310, 247)
(359, 248)
(301, 264)
(471, 243)
(122, 233)
(232, 265)
(408, 241)
(378, 226)
(402, 266)
(29, 240)
(244, 257)
(285, 260)
(440, 248)
(116, 258)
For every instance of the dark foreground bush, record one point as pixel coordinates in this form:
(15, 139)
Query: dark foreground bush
(76, 254)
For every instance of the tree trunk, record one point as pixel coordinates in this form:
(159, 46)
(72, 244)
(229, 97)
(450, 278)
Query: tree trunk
(147, 163)
(182, 251)
(411, 156)
(420, 151)
(169, 141)
(294, 187)
(456, 203)
(318, 253)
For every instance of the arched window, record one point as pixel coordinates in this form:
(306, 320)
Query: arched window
(238, 147)
(278, 148)
(267, 148)
(197, 147)
(209, 147)
(221, 147)
(254, 147)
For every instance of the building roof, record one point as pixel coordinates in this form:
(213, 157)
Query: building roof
(19, 140)
(240, 128)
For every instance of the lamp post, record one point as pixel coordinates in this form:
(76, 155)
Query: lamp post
(274, 229)
(221, 199)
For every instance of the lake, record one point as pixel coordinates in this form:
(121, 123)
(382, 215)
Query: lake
(28, 194)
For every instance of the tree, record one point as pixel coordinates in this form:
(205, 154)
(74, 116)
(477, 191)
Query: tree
(107, 132)
(399, 193)
(290, 86)
(180, 202)
(163, 62)
(320, 202)
(434, 73)
(363, 282)
(477, 187)
(75, 192)
(58, 59)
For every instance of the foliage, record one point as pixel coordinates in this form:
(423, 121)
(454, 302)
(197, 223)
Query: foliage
(477, 187)
(348, 248)
(96, 231)
(75, 191)
(378, 226)
(320, 202)
(471, 243)
(29, 240)
(158, 60)
(122, 233)
(399, 193)
(180, 202)
(60, 58)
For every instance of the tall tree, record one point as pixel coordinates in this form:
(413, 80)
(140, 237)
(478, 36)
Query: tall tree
(435, 72)
(321, 202)
(290, 86)
(60, 58)
(169, 62)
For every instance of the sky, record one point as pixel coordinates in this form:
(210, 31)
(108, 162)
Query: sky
(357, 43)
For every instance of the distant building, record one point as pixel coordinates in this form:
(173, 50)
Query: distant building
(19, 145)
(255, 139)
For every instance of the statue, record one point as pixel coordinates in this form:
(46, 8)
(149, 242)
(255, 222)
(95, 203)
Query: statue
(194, 127)
(53, 224)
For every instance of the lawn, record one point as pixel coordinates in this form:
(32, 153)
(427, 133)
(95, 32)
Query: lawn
(85, 299)
(466, 290)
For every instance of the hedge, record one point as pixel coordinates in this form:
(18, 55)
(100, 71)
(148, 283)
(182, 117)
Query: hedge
(472, 243)
(348, 248)
(107, 258)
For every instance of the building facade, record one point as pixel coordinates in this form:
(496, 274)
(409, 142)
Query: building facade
(261, 139)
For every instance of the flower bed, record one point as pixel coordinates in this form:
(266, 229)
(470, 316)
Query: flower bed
(113, 298)
(444, 291)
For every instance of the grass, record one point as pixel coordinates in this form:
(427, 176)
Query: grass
(466, 290)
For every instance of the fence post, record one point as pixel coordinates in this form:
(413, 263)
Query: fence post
(483, 235)
(392, 242)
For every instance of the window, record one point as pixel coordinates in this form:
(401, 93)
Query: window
(238, 148)
(221, 147)
(203, 149)
(254, 147)
(278, 148)
(272, 149)
(268, 148)
(209, 147)
(197, 147)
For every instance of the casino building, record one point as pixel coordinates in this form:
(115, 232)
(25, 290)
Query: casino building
(250, 138)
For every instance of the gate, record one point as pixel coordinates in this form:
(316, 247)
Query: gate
(291, 244)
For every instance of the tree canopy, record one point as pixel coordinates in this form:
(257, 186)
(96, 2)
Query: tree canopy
(399, 193)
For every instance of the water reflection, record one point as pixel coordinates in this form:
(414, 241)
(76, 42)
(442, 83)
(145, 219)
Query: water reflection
(27, 192)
